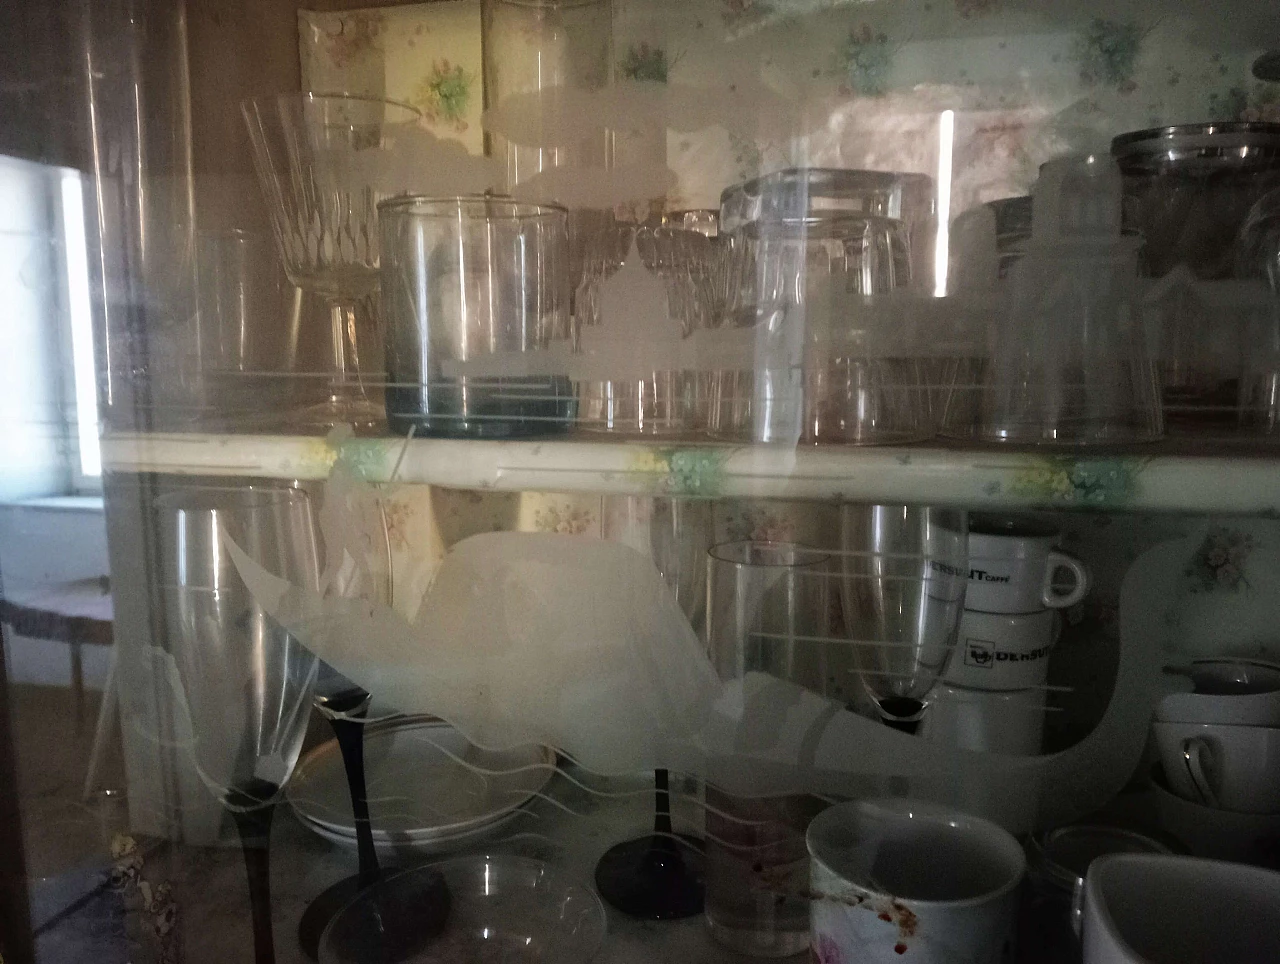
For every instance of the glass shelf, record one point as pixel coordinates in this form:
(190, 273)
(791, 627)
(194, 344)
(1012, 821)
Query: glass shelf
(1176, 475)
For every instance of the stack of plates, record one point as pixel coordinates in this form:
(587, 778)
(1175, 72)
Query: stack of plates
(429, 789)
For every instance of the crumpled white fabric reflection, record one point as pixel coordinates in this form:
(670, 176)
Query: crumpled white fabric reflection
(579, 644)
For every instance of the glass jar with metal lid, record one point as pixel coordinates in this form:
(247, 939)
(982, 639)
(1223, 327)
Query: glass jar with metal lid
(1188, 189)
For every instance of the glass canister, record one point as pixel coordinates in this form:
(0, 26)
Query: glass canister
(1189, 188)
(470, 281)
(533, 45)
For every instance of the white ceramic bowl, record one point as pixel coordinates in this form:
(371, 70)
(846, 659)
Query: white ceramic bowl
(1221, 834)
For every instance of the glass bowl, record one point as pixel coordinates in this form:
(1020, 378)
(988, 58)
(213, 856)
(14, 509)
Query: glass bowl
(478, 909)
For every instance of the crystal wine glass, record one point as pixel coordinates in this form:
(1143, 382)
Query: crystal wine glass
(320, 160)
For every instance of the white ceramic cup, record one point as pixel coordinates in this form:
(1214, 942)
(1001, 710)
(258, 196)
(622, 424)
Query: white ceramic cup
(1014, 568)
(1166, 909)
(995, 651)
(1234, 692)
(993, 722)
(903, 880)
(1223, 767)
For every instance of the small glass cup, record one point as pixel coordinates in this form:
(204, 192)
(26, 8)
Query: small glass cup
(767, 611)
(467, 280)
(662, 403)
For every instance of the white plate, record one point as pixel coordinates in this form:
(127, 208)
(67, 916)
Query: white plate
(424, 780)
(389, 846)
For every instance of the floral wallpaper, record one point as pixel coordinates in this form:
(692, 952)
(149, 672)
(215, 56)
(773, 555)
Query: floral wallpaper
(1028, 79)
(427, 55)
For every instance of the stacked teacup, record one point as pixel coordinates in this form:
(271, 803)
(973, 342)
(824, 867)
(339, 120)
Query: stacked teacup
(992, 695)
(1220, 753)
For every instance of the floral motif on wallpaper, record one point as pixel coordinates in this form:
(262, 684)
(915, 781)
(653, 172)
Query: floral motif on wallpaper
(566, 520)
(740, 13)
(976, 8)
(351, 37)
(1259, 102)
(445, 94)
(762, 524)
(1219, 561)
(425, 54)
(867, 59)
(1065, 481)
(1107, 51)
(645, 62)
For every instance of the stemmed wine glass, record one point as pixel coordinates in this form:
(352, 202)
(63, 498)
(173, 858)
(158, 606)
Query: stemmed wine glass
(345, 705)
(659, 876)
(904, 572)
(319, 159)
(247, 683)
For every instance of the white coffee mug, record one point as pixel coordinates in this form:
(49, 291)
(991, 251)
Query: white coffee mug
(995, 651)
(993, 722)
(1234, 692)
(1224, 767)
(1162, 909)
(895, 880)
(1014, 568)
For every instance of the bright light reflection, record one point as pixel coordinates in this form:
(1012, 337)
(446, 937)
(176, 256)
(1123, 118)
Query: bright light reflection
(80, 309)
(946, 141)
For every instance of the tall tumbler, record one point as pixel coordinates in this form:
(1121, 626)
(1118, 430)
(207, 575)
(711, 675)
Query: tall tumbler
(796, 283)
(904, 572)
(247, 683)
(767, 611)
(473, 280)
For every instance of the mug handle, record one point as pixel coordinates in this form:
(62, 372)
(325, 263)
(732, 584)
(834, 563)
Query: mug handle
(1192, 751)
(1060, 560)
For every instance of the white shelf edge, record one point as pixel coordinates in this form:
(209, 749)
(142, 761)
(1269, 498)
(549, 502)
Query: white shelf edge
(1226, 483)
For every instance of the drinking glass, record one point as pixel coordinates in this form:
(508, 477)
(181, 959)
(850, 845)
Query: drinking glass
(243, 330)
(817, 192)
(1258, 257)
(473, 280)
(903, 576)
(660, 876)
(687, 261)
(661, 403)
(800, 285)
(246, 681)
(767, 611)
(318, 161)
(1070, 362)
